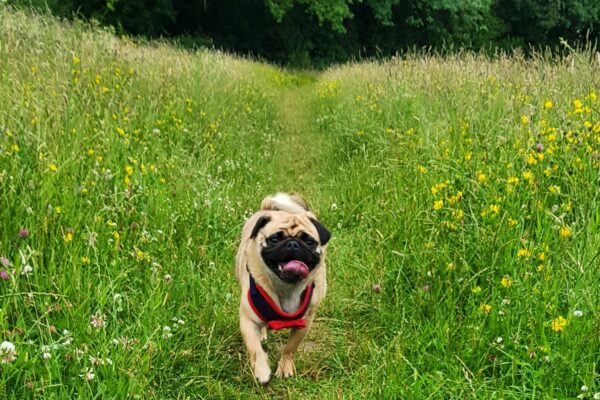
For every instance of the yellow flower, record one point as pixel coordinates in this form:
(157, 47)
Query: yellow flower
(438, 204)
(554, 189)
(15, 148)
(57, 210)
(513, 180)
(421, 169)
(528, 175)
(76, 60)
(129, 170)
(495, 208)
(476, 290)
(53, 167)
(485, 308)
(548, 104)
(565, 232)
(523, 253)
(559, 324)
(512, 222)
(450, 267)
(116, 235)
(481, 177)
(90, 152)
(506, 282)
(577, 104)
(524, 119)
(68, 237)
(540, 268)
(85, 260)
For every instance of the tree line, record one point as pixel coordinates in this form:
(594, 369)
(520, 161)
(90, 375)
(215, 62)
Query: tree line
(319, 32)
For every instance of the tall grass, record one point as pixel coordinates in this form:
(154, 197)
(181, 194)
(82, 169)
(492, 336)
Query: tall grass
(466, 188)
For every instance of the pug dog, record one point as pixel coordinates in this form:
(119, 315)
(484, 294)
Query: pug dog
(280, 265)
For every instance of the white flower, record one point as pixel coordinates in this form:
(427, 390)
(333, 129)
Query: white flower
(46, 356)
(115, 342)
(97, 320)
(27, 269)
(584, 388)
(212, 265)
(499, 339)
(8, 353)
(578, 313)
(597, 396)
(167, 332)
(181, 322)
(89, 375)
(334, 207)
(168, 278)
(108, 361)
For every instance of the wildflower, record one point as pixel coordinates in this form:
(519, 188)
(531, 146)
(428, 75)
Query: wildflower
(116, 235)
(376, 288)
(450, 267)
(481, 177)
(485, 308)
(548, 104)
(97, 320)
(506, 282)
(129, 170)
(597, 396)
(27, 269)
(524, 119)
(476, 290)
(334, 207)
(554, 189)
(577, 104)
(8, 353)
(46, 356)
(421, 169)
(565, 232)
(512, 222)
(23, 233)
(53, 167)
(539, 147)
(558, 324)
(584, 388)
(4, 275)
(523, 253)
(168, 278)
(578, 313)
(89, 375)
(499, 339)
(540, 268)
(5, 261)
(438, 204)
(495, 209)
(68, 237)
(167, 332)
(85, 260)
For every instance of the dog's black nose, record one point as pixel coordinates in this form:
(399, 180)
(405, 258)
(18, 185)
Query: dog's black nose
(292, 245)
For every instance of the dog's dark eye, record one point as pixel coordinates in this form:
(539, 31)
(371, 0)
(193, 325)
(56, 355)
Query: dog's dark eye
(310, 242)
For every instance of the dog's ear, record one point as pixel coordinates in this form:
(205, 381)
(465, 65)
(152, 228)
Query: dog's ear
(324, 234)
(262, 221)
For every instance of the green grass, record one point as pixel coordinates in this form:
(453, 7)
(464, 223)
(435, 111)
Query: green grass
(133, 167)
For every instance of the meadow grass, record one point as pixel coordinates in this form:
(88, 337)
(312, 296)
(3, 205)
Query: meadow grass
(466, 188)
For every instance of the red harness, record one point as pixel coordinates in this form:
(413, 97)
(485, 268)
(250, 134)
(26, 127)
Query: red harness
(267, 310)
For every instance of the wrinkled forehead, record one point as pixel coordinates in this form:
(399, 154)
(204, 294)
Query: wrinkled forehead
(290, 225)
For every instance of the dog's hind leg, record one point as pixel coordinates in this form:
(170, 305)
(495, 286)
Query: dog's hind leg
(263, 333)
(258, 357)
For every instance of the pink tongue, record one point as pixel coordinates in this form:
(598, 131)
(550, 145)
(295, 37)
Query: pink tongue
(296, 267)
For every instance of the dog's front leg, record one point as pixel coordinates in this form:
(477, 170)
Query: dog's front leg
(258, 357)
(285, 367)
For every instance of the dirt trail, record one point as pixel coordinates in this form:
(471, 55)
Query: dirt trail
(298, 153)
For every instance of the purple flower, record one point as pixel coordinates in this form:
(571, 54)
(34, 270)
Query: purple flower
(5, 261)
(377, 288)
(539, 147)
(23, 232)
(4, 275)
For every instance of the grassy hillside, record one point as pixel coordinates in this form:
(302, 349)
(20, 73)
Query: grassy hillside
(467, 188)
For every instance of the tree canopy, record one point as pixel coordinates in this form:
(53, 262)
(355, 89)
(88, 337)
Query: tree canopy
(318, 32)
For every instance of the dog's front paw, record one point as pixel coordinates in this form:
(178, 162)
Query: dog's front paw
(262, 373)
(285, 368)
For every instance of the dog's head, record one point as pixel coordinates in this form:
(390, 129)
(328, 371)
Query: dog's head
(290, 245)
